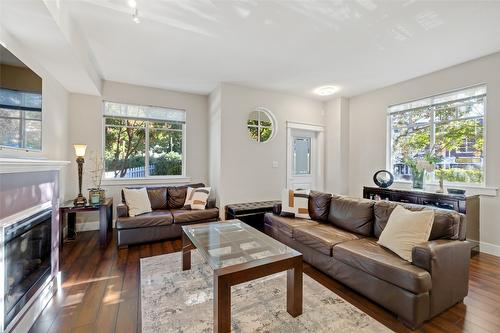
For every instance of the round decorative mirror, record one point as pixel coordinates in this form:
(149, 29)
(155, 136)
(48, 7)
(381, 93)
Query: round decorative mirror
(261, 125)
(383, 178)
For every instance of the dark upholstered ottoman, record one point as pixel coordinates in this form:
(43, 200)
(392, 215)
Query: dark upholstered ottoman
(252, 213)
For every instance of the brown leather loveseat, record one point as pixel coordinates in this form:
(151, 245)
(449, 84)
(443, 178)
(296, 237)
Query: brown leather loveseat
(341, 241)
(166, 219)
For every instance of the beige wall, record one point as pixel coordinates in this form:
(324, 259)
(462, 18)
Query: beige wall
(368, 131)
(19, 78)
(247, 172)
(86, 127)
(54, 111)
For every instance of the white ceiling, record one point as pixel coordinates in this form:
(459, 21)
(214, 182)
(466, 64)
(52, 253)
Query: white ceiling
(291, 46)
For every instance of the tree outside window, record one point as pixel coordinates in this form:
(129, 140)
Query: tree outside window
(451, 127)
(138, 148)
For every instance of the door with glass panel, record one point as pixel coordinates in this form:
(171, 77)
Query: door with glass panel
(302, 159)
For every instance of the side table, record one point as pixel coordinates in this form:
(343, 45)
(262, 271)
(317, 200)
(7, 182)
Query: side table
(252, 213)
(105, 219)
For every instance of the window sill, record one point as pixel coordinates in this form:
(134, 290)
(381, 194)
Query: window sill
(145, 181)
(469, 188)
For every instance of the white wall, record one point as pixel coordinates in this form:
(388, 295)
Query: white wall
(86, 127)
(214, 140)
(337, 145)
(368, 130)
(247, 172)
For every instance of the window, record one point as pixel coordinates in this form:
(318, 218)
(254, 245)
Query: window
(301, 155)
(260, 125)
(20, 119)
(143, 141)
(447, 127)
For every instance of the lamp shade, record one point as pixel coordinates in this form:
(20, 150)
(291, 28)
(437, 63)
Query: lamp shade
(80, 150)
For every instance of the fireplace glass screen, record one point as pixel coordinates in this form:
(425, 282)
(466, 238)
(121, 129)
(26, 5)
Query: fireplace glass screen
(27, 250)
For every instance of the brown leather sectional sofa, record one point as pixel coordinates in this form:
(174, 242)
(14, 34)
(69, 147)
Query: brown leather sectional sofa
(341, 241)
(166, 219)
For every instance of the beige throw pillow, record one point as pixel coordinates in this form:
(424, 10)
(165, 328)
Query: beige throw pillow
(405, 229)
(137, 201)
(196, 198)
(295, 203)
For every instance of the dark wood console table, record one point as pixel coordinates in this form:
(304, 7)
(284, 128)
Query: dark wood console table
(105, 219)
(465, 204)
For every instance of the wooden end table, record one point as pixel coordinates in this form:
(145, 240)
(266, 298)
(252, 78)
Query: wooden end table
(69, 210)
(252, 255)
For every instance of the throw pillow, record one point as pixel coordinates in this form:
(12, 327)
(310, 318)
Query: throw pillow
(196, 198)
(295, 203)
(406, 229)
(137, 201)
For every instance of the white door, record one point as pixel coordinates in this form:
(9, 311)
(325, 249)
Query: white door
(304, 159)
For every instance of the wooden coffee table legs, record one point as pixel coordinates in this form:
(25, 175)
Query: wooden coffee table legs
(187, 246)
(226, 277)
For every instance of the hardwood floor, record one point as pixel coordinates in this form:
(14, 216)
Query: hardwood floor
(100, 292)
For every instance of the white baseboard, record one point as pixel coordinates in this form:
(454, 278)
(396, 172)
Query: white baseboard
(489, 248)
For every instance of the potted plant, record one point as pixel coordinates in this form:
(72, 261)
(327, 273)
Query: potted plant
(419, 164)
(96, 193)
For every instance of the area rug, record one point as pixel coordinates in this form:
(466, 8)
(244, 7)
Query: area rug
(173, 300)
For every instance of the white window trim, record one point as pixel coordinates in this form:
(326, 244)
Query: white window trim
(174, 179)
(481, 188)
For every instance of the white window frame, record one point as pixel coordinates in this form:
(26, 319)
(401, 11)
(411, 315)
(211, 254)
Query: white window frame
(148, 179)
(432, 125)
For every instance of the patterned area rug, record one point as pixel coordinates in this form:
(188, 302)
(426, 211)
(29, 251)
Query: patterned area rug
(173, 300)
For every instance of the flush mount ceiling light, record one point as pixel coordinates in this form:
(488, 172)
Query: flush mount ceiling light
(326, 90)
(132, 3)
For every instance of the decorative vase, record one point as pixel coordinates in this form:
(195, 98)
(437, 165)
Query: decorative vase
(96, 196)
(418, 178)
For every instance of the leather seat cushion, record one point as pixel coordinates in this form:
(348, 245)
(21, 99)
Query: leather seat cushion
(446, 222)
(366, 255)
(287, 224)
(322, 237)
(154, 218)
(187, 215)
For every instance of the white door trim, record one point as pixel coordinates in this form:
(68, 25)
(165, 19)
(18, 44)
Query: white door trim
(320, 141)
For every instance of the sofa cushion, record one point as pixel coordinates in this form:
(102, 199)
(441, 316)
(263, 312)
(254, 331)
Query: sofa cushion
(319, 205)
(366, 255)
(321, 237)
(187, 215)
(197, 198)
(287, 224)
(157, 197)
(352, 214)
(406, 229)
(137, 201)
(447, 223)
(154, 218)
(176, 195)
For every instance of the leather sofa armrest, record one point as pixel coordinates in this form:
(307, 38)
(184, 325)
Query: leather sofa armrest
(122, 210)
(277, 209)
(448, 263)
(211, 203)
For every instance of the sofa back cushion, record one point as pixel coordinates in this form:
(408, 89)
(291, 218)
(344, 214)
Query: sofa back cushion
(448, 224)
(352, 214)
(176, 195)
(319, 205)
(157, 197)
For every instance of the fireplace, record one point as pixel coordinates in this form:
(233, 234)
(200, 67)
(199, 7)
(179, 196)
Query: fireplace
(27, 256)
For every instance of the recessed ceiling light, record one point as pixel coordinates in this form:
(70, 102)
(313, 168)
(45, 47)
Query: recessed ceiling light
(135, 16)
(326, 90)
(132, 3)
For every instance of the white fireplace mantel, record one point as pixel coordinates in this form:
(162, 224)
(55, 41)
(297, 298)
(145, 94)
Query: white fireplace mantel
(15, 165)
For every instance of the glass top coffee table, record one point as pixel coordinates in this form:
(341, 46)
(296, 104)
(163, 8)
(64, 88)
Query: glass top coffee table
(239, 253)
